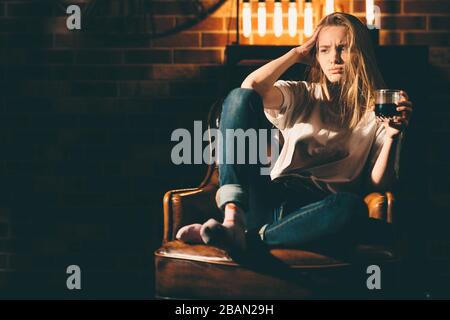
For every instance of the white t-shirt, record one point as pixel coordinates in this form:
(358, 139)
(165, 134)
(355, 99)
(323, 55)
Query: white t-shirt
(332, 159)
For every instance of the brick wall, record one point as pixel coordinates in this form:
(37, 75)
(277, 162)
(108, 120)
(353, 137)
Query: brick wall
(85, 127)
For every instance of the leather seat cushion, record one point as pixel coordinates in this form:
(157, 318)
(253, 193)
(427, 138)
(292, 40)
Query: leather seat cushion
(292, 257)
(201, 271)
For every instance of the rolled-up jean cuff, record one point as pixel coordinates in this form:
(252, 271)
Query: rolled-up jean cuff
(231, 193)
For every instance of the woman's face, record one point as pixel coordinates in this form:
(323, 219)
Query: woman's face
(333, 52)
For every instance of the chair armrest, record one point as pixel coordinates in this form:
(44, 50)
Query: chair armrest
(381, 206)
(186, 206)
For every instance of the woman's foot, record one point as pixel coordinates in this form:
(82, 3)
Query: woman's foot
(228, 235)
(190, 233)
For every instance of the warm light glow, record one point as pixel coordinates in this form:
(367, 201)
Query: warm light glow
(370, 16)
(261, 19)
(329, 7)
(308, 16)
(278, 20)
(247, 19)
(377, 17)
(292, 18)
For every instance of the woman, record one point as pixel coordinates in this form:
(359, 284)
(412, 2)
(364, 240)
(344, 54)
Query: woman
(335, 150)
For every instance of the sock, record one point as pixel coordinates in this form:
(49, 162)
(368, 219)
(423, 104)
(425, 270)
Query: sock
(230, 234)
(190, 233)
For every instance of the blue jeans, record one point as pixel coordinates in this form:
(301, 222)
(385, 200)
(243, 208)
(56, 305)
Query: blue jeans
(285, 211)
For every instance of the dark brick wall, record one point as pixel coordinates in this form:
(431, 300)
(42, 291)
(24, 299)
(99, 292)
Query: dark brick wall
(85, 125)
(86, 118)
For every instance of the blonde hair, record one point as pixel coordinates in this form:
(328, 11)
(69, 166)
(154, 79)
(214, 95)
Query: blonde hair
(361, 77)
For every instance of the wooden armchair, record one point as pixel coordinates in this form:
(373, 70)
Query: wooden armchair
(206, 272)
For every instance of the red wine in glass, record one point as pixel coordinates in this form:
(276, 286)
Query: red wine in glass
(386, 110)
(386, 103)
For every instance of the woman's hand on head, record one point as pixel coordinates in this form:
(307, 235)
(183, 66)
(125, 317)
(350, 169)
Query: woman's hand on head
(394, 126)
(305, 52)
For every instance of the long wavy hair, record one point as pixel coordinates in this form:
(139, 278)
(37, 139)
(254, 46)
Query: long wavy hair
(355, 94)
